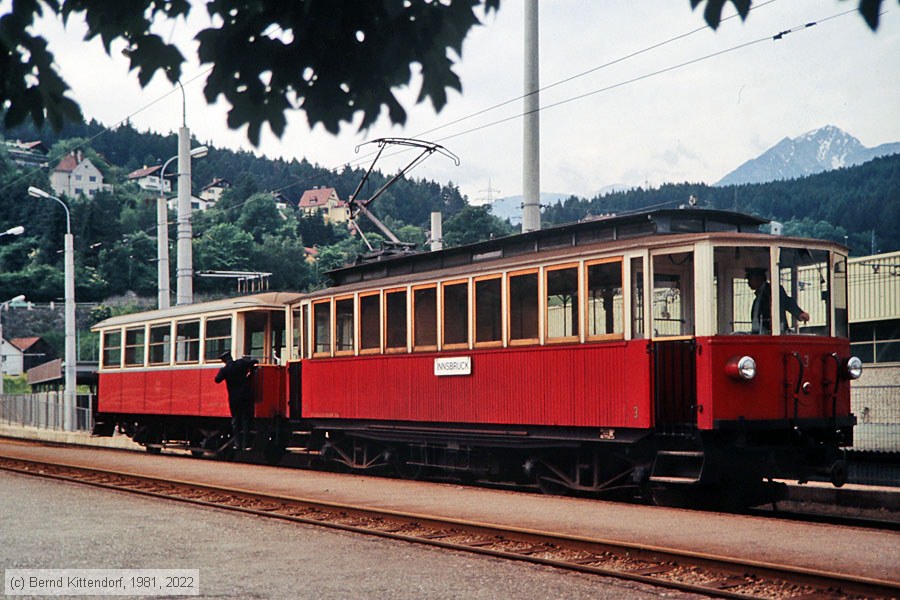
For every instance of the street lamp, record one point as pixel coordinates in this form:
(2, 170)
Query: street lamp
(162, 231)
(18, 230)
(3, 306)
(69, 396)
(184, 291)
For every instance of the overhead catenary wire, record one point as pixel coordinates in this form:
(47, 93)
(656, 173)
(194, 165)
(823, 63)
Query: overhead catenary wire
(773, 37)
(780, 35)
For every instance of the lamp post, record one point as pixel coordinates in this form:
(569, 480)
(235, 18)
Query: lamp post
(18, 230)
(184, 290)
(69, 395)
(162, 227)
(3, 306)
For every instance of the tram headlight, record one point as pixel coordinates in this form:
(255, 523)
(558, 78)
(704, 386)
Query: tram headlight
(742, 368)
(853, 367)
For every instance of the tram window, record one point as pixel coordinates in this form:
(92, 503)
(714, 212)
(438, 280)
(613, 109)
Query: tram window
(277, 336)
(455, 324)
(307, 347)
(297, 332)
(370, 323)
(134, 347)
(805, 278)
(112, 349)
(160, 344)
(187, 342)
(605, 301)
(255, 335)
(425, 318)
(343, 325)
(637, 298)
(488, 311)
(738, 309)
(839, 279)
(395, 322)
(322, 328)
(673, 294)
(217, 339)
(523, 307)
(562, 303)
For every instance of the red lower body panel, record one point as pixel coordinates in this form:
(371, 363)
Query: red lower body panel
(593, 385)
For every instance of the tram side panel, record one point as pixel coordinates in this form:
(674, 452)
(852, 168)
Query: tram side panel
(269, 392)
(596, 385)
(183, 392)
(159, 391)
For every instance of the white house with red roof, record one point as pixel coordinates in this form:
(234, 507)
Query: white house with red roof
(75, 176)
(147, 178)
(326, 201)
(20, 354)
(212, 191)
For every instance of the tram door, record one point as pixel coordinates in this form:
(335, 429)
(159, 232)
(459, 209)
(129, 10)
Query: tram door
(675, 386)
(264, 336)
(673, 346)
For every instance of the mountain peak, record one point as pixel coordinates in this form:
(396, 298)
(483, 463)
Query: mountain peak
(815, 151)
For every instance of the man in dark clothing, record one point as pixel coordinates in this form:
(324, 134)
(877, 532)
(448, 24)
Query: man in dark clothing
(761, 312)
(236, 375)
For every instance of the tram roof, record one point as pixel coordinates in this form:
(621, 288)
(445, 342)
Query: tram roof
(607, 228)
(265, 300)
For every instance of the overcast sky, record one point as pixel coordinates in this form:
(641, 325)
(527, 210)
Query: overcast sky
(694, 123)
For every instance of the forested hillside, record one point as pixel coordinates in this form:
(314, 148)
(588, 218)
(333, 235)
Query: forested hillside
(845, 205)
(115, 232)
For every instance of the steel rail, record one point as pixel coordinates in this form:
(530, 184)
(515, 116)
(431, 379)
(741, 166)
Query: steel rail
(800, 516)
(527, 544)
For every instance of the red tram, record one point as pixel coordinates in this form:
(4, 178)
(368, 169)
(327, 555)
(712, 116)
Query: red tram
(623, 354)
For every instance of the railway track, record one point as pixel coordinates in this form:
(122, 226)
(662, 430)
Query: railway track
(805, 514)
(683, 571)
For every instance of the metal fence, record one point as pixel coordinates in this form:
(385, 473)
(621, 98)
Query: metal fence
(877, 410)
(46, 411)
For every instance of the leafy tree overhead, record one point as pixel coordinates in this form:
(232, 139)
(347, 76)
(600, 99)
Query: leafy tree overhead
(330, 58)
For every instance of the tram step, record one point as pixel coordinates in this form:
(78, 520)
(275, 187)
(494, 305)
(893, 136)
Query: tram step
(677, 467)
(674, 480)
(681, 453)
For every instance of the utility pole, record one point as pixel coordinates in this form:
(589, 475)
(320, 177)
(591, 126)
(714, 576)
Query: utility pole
(184, 289)
(531, 148)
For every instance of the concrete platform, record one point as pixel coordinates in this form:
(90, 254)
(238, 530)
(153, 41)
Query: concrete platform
(80, 438)
(860, 552)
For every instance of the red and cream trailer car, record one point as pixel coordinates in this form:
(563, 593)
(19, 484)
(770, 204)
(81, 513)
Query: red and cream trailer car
(157, 371)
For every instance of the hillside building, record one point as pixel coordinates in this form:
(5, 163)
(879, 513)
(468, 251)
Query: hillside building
(27, 155)
(212, 191)
(147, 178)
(75, 176)
(326, 201)
(197, 204)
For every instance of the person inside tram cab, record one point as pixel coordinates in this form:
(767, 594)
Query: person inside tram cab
(761, 313)
(236, 374)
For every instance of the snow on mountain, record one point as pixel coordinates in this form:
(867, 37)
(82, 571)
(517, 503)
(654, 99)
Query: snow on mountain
(813, 152)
